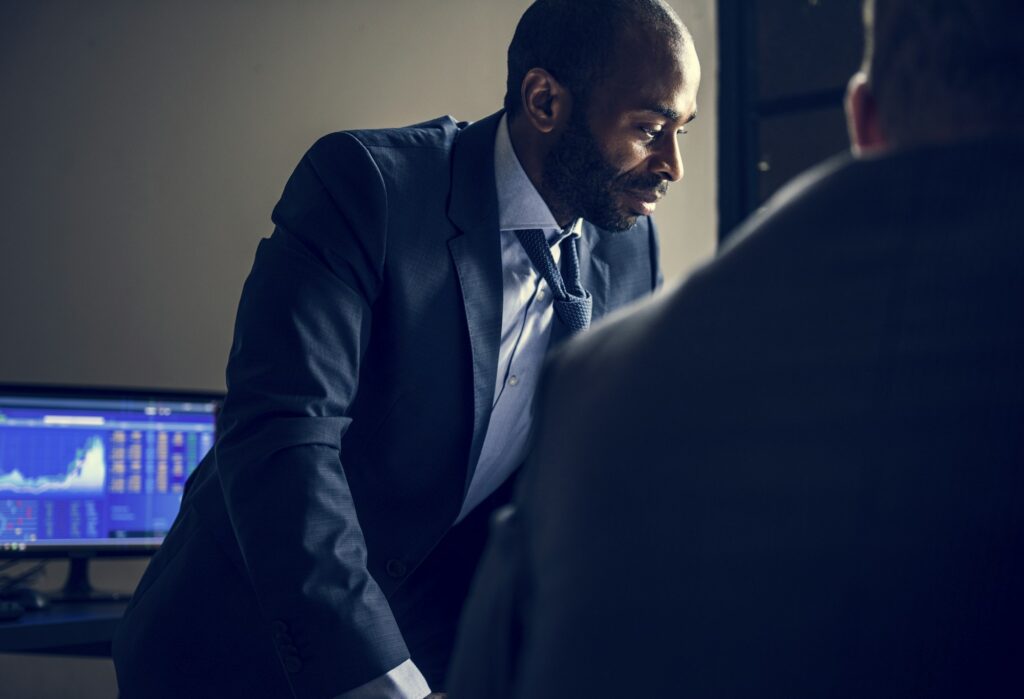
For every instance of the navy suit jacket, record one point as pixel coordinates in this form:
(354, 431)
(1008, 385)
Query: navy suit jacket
(812, 481)
(360, 383)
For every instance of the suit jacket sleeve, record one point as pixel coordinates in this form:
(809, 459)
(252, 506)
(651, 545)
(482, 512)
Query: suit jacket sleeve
(302, 327)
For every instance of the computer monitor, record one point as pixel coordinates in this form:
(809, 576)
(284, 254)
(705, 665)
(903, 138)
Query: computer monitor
(96, 471)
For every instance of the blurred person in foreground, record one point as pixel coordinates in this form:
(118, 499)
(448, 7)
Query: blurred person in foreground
(801, 472)
(387, 348)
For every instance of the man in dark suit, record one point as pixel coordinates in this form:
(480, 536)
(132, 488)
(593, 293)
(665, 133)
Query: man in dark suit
(386, 352)
(801, 473)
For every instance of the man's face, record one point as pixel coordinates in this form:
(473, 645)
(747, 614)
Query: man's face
(617, 156)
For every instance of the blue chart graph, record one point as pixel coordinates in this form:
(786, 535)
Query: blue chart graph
(90, 470)
(70, 461)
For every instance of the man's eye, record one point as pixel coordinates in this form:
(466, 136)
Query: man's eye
(650, 132)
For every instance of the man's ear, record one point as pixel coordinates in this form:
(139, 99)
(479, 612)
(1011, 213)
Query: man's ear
(546, 102)
(862, 116)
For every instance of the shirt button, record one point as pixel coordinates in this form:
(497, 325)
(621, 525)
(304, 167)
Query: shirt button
(513, 380)
(540, 295)
(395, 568)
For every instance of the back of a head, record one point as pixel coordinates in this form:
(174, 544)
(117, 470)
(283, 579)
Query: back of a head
(944, 70)
(575, 40)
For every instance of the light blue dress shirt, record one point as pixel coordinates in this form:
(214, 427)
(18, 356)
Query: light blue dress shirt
(526, 316)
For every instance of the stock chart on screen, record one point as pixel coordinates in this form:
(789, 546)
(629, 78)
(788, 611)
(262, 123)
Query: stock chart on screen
(76, 470)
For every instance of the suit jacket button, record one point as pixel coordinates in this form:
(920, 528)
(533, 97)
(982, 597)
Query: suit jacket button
(292, 664)
(279, 627)
(395, 568)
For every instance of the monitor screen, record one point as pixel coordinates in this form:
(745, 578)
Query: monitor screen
(96, 469)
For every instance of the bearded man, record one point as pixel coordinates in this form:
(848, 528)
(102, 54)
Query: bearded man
(386, 351)
(810, 483)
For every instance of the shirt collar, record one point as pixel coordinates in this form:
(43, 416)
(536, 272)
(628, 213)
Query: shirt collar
(520, 205)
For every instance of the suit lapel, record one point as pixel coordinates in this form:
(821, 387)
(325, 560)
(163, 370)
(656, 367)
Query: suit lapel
(593, 268)
(476, 253)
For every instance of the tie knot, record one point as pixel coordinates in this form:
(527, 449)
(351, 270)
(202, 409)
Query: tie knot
(573, 305)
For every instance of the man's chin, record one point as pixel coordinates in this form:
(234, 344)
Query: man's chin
(622, 221)
(619, 226)
(631, 206)
(617, 220)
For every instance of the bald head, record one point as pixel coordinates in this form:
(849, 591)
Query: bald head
(581, 43)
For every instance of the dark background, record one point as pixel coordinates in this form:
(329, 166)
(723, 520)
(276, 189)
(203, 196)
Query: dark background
(784, 67)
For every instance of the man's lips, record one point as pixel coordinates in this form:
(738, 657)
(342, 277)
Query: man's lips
(643, 201)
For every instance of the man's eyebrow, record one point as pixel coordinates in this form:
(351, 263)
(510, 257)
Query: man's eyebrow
(669, 113)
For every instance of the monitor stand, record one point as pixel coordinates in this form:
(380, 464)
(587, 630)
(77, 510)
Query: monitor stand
(77, 587)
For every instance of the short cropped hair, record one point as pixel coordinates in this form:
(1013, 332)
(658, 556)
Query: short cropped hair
(938, 68)
(575, 41)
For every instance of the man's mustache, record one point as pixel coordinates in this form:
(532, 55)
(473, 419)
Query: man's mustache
(645, 183)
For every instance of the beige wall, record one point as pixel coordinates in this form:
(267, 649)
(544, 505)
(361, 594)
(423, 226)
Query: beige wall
(144, 145)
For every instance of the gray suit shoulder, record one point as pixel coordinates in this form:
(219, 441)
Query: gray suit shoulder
(611, 360)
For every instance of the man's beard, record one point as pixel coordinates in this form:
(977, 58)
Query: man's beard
(583, 182)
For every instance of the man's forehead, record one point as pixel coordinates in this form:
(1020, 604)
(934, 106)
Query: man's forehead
(666, 88)
(650, 70)
(653, 61)
(648, 43)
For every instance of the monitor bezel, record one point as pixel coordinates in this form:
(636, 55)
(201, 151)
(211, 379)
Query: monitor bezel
(93, 549)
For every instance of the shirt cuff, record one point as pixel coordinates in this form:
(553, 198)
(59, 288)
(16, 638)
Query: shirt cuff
(403, 682)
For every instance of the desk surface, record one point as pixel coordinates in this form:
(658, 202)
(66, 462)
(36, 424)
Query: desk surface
(63, 629)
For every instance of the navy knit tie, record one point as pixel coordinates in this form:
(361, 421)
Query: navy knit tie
(572, 302)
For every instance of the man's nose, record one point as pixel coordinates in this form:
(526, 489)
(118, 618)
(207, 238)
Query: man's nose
(669, 160)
